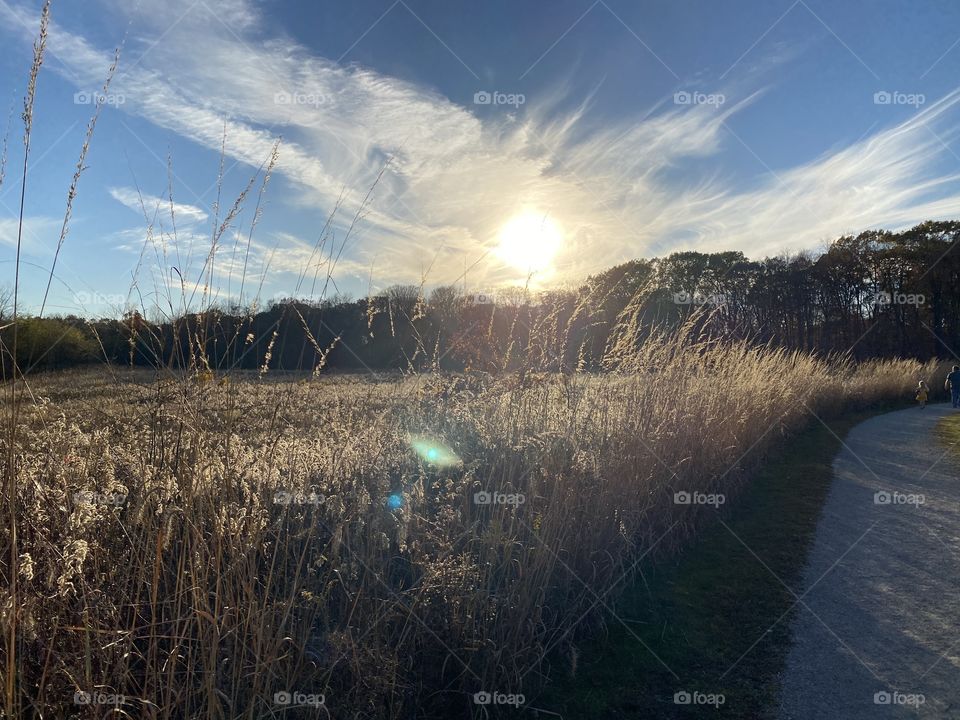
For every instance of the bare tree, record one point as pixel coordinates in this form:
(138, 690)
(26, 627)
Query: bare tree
(6, 302)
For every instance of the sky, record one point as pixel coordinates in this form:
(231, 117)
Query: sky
(432, 142)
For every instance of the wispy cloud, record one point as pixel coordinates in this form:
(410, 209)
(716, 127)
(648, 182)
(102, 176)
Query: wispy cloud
(39, 233)
(453, 177)
(152, 205)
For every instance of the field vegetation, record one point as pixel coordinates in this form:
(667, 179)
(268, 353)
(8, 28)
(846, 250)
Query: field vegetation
(186, 539)
(197, 544)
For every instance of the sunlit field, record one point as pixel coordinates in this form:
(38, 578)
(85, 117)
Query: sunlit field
(498, 399)
(199, 546)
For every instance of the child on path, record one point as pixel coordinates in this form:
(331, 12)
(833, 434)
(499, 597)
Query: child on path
(923, 393)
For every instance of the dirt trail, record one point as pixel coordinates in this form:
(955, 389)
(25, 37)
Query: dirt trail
(879, 616)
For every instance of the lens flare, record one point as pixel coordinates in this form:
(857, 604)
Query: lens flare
(433, 451)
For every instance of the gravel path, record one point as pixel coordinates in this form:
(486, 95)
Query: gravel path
(878, 625)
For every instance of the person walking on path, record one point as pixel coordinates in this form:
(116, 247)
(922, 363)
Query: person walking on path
(953, 384)
(923, 394)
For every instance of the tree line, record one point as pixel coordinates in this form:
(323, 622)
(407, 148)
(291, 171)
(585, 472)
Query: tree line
(876, 294)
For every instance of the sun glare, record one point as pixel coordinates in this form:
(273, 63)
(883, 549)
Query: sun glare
(530, 241)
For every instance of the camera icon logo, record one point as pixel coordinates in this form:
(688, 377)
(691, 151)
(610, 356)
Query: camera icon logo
(882, 698)
(882, 98)
(282, 98)
(682, 298)
(682, 98)
(282, 698)
(682, 698)
(480, 298)
(483, 498)
(482, 698)
(681, 498)
(882, 497)
(81, 697)
(482, 97)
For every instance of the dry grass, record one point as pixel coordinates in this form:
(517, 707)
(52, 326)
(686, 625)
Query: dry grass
(187, 589)
(146, 561)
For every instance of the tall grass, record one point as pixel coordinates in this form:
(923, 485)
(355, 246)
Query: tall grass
(11, 636)
(156, 564)
(150, 559)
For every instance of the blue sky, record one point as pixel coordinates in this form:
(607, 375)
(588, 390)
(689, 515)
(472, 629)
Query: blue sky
(613, 130)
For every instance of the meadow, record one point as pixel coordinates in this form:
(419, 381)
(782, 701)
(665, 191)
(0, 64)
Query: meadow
(186, 541)
(369, 546)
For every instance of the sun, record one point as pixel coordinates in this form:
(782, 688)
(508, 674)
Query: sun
(530, 241)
